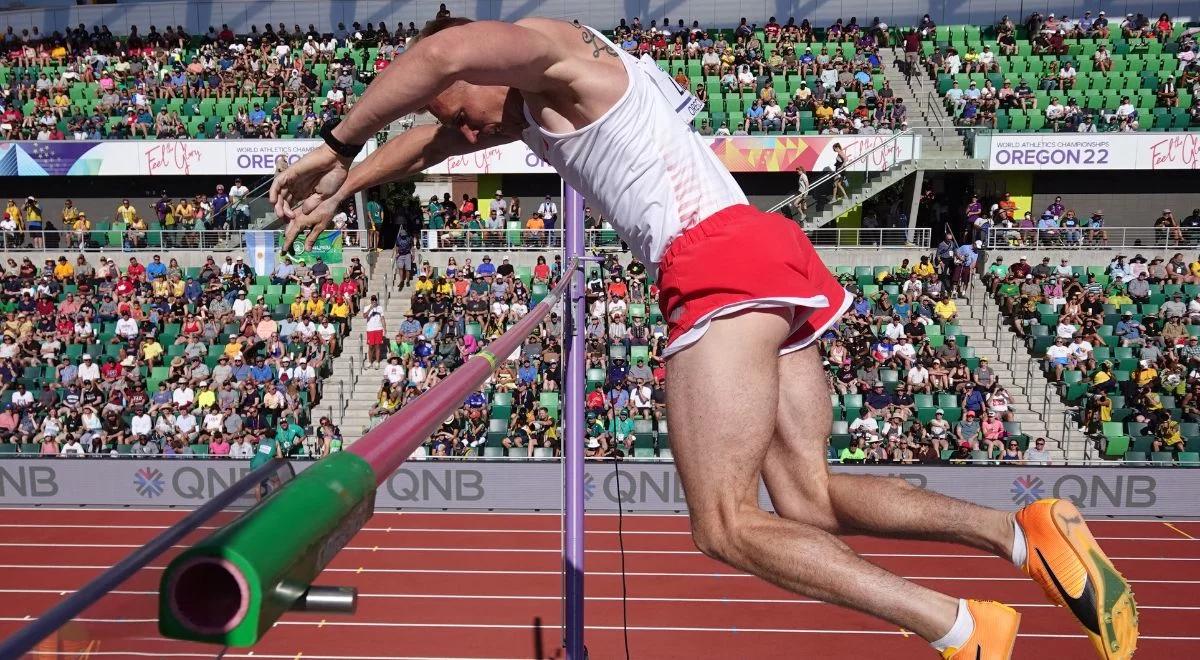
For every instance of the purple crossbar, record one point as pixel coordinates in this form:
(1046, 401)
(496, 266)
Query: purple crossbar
(573, 441)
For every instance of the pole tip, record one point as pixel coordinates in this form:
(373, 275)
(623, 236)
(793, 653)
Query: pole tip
(209, 595)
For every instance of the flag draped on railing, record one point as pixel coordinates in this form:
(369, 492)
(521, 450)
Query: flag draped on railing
(260, 251)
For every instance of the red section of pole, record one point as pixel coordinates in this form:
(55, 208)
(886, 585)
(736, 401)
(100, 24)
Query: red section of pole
(388, 445)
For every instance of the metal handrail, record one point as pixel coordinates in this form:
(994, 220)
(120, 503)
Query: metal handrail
(545, 240)
(838, 172)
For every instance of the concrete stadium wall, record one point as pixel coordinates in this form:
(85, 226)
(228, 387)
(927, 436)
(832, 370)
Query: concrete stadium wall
(197, 16)
(1127, 198)
(834, 257)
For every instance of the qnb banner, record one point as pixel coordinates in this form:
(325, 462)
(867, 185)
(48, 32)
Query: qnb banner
(1091, 151)
(738, 154)
(152, 157)
(636, 486)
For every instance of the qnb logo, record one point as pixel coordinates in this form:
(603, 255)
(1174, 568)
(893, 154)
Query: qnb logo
(1027, 490)
(149, 482)
(589, 487)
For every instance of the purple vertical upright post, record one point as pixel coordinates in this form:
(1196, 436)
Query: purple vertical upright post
(574, 311)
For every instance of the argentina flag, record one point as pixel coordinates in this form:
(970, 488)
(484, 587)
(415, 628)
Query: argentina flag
(260, 251)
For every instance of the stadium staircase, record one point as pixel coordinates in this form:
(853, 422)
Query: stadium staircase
(352, 390)
(874, 184)
(942, 147)
(1039, 415)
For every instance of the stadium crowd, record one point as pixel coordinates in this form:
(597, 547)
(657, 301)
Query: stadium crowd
(152, 358)
(1120, 344)
(271, 82)
(906, 387)
(788, 77)
(1065, 74)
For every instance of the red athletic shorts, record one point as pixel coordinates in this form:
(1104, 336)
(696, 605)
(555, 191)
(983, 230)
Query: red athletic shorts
(374, 337)
(742, 258)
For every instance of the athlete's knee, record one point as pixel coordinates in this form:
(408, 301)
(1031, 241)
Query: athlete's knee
(720, 534)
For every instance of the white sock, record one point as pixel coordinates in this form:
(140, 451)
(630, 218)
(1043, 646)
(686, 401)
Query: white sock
(959, 633)
(1019, 551)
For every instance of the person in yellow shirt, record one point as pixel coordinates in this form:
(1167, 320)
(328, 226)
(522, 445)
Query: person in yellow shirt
(315, 306)
(63, 270)
(177, 286)
(33, 222)
(125, 211)
(297, 308)
(923, 269)
(1145, 374)
(62, 103)
(206, 397)
(946, 309)
(183, 213)
(535, 224)
(152, 350)
(13, 211)
(823, 113)
(423, 284)
(161, 287)
(1194, 269)
(79, 230)
(234, 347)
(70, 213)
(1119, 298)
(340, 309)
(1168, 437)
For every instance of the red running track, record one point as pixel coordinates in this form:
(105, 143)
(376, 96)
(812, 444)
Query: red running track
(474, 585)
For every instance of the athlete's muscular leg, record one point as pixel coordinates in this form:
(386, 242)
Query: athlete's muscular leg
(722, 409)
(803, 489)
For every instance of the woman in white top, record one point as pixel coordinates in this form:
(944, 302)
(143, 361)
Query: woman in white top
(72, 448)
(999, 402)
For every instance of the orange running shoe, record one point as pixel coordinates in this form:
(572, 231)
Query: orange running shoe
(994, 635)
(1066, 561)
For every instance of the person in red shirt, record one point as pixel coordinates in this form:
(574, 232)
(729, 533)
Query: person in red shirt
(349, 291)
(64, 328)
(110, 370)
(596, 400)
(45, 306)
(125, 286)
(617, 288)
(329, 288)
(136, 271)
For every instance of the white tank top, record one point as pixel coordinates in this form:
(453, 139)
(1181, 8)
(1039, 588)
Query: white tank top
(642, 164)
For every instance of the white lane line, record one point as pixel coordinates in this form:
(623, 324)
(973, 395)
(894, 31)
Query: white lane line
(75, 655)
(181, 511)
(599, 599)
(557, 551)
(471, 530)
(684, 629)
(558, 573)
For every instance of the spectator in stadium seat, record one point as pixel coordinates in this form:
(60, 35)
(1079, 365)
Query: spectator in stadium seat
(946, 309)
(1139, 288)
(1128, 331)
(968, 432)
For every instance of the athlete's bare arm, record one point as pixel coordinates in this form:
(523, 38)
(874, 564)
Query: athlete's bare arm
(561, 71)
(405, 155)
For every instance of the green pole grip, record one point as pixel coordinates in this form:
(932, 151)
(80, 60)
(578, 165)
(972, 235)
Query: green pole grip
(233, 586)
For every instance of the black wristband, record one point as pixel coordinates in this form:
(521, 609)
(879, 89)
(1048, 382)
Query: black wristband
(340, 148)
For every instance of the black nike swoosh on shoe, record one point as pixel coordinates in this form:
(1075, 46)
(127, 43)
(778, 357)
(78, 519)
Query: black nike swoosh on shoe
(1082, 606)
